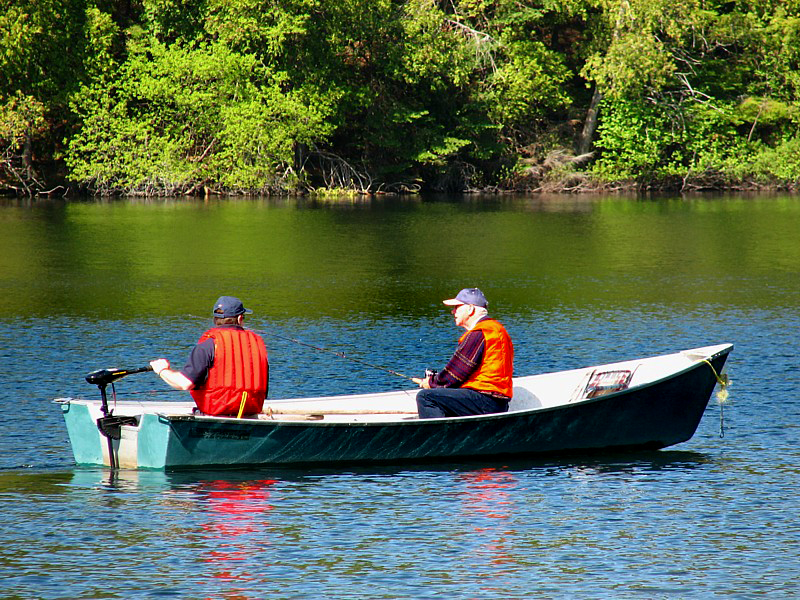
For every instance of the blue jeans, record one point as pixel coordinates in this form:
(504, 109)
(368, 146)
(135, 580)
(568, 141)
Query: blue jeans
(456, 402)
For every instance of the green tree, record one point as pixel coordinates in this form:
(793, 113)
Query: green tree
(175, 117)
(156, 96)
(38, 75)
(694, 90)
(21, 121)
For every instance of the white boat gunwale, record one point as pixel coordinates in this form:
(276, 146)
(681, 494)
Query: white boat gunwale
(184, 416)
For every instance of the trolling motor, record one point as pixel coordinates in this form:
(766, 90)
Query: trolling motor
(105, 376)
(109, 425)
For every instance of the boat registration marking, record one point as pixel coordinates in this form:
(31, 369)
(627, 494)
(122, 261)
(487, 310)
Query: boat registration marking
(216, 434)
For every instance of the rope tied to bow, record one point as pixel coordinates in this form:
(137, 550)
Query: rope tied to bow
(722, 395)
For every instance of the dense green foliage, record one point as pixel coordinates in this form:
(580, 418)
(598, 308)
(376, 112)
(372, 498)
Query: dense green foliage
(164, 96)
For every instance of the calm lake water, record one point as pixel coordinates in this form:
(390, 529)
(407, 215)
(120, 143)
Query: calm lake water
(577, 281)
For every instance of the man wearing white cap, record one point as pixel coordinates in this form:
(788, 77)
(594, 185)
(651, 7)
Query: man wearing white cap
(477, 379)
(227, 372)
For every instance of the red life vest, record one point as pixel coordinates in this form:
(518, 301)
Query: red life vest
(497, 368)
(237, 380)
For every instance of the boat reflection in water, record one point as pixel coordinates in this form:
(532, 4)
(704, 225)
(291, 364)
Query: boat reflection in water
(237, 533)
(221, 518)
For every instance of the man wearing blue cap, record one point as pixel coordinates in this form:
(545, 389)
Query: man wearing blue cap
(477, 379)
(228, 371)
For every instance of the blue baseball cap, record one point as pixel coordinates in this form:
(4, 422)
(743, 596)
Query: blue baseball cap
(228, 306)
(468, 296)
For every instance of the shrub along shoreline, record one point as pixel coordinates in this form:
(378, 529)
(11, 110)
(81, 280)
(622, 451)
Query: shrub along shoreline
(161, 97)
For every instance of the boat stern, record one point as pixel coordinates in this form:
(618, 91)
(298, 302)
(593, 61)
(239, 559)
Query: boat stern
(88, 444)
(140, 444)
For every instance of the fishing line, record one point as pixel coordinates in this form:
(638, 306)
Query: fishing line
(334, 352)
(150, 392)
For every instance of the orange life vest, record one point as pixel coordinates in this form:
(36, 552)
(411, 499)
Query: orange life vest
(237, 380)
(497, 368)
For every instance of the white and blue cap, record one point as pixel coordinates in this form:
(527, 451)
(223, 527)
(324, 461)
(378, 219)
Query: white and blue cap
(468, 296)
(229, 306)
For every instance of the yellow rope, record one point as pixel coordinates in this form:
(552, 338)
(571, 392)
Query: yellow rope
(723, 381)
(722, 395)
(244, 399)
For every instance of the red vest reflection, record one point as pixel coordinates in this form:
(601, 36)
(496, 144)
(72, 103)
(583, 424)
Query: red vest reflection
(238, 525)
(487, 504)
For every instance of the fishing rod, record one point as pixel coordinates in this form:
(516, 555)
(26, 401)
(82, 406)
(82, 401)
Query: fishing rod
(335, 353)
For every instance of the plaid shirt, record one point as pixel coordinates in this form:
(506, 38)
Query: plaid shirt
(467, 357)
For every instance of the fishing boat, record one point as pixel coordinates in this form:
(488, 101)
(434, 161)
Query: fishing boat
(640, 404)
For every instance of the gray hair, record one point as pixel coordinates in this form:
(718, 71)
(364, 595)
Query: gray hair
(480, 311)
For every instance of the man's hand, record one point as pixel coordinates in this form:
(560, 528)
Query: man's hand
(159, 365)
(425, 384)
(174, 379)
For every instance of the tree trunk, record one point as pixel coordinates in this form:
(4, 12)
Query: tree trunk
(27, 155)
(300, 155)
(590, 125)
